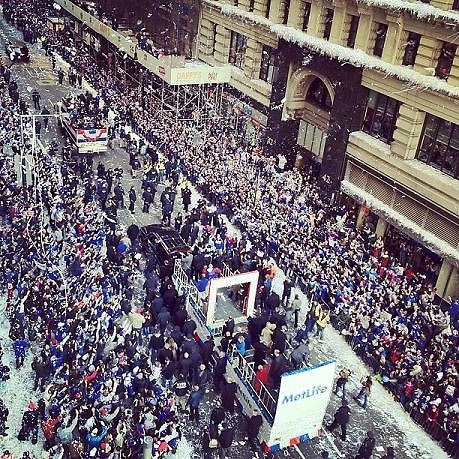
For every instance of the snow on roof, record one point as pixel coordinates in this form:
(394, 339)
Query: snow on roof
(418, 9)
(355, 57)
(404, 223)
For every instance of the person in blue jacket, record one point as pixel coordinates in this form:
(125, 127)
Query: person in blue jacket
(193, 402)
(20, 347)
(94, 438)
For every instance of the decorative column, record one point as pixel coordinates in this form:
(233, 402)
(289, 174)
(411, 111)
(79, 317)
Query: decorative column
(252, 58)
(408, 131)
(275, 11)
(281, 135)
(222, 44)
(316, 19)
(448, 280)
(362, 216)
(338, 24)
(381, 227)
(206, 40)
(427, 52)
(454, 74)
(393, 38)
(364, 30)
(295, 17)
(243, 5)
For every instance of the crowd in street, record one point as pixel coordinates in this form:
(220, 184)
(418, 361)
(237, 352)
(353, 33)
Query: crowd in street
(375, 294)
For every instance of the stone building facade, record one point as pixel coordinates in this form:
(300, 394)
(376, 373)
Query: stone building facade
(364, 93)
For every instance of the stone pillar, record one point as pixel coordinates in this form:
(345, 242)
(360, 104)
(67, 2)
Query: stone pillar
(315, 19)
(454, 75)
(362, 216)
(206, 40)
(260, 7)
(381, 227)
(281, 135)
(452, 288)
(348, 93)
(448, 280)
(222, 44)
(275, 11)
(243, 5)
(425, 62)
(364, 30)
(337, 34)
(393, 38)
(295, 17)
(442, 4)
(409, 124)
(252, 59)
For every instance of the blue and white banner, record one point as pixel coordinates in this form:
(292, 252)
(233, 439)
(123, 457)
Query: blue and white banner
(303, 399)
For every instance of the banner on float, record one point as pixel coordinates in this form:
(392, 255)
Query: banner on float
(303, 399)
(92, 140)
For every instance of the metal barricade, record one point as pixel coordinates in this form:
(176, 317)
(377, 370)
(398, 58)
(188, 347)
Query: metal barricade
(265, 398)
(193, 296)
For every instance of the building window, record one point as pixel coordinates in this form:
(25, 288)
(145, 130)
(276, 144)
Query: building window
(214, 38)
(353, 26)
(251, 5)
(328, 23)
(286, 11)
(238, 46)
(445, 60)
(440, 145)
(380, 39)
(307, 13)
(312, 138)
(380, 117)
(411, 48)
(456, 5)
(268, 8)
(269, 68)
(318, 95)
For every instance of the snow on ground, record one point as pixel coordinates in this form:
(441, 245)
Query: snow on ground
(17, 393)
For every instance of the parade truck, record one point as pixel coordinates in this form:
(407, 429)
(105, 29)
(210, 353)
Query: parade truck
(293, 411)
(85, 139)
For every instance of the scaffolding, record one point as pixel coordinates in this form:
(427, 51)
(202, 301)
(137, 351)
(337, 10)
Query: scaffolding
(186, 102)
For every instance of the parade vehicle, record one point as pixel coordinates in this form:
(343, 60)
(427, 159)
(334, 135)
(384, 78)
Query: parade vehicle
(17, 52)
(87, 139)
(165, 242)
(302, 389)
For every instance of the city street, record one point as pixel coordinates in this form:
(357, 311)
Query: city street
(384, 415)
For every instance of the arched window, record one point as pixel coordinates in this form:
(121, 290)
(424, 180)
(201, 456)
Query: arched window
(318, 95)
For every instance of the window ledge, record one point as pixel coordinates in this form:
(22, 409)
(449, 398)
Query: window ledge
(369, 143)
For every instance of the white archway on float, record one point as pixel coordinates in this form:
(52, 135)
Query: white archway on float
(236, 279)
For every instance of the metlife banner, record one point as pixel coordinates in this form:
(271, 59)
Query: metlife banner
(303, 398)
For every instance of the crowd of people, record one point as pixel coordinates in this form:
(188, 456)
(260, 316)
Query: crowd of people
(85, 111)
(377, 298)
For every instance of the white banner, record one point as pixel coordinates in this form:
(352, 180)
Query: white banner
(303, 399)
(199, 74)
